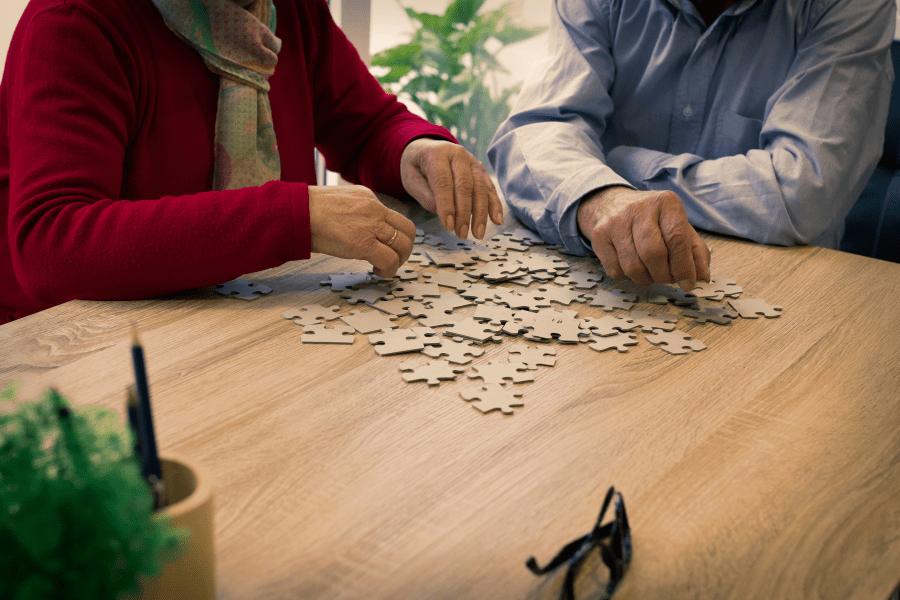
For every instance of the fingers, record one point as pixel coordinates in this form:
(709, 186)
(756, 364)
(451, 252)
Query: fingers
(463, 193)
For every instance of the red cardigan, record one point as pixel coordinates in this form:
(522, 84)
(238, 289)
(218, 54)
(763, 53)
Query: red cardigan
(107, 158)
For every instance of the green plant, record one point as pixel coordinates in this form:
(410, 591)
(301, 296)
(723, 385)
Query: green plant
(443, 69)
(76, 517)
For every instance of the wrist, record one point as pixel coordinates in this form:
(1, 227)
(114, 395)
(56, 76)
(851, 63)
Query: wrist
(592, 206)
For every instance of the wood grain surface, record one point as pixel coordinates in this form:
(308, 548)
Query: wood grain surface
(766, 466)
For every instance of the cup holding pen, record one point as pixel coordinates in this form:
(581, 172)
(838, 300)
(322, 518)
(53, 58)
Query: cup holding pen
(190, 505)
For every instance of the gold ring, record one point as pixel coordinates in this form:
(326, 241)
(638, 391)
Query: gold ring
(393, 237)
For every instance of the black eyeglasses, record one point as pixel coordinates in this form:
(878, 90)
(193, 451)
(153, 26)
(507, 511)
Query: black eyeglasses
(613, 541)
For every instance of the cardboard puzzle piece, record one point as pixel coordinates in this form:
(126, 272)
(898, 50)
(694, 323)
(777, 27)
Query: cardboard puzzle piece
(718, 288)
(368, 293)
(448, 301)
(548, 327)
(242, 289)
(443, 238)
(432, 372)
(394, 306)
(647, 322)
(582, 280)
(495, 314)
(311, 314)
(420, 236)
(524, 236)
(752, 308)
(506, 243)
(496, 372)
(517, 301)
(619, 341)
(456, 259)
(458, 352)
(560, 295)
(420, 256)
(471, 329)
(407, 273)
(608, 325)
(496, 271)
(429, 316)
(609, 300)
(400, 341)
(483, 252)
(369, 321)
(480, 292)
(660, 293)
(721, 316)
(341, 281)
(323, 334)
(493, 396)
(416, 290)
(533, 356)
(452, 279)
(675, 341)
(535, 263)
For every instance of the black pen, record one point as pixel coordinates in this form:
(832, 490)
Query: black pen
(134, 422)
(150, 465)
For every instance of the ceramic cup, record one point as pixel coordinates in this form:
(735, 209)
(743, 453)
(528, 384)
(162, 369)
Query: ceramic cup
(190, 505)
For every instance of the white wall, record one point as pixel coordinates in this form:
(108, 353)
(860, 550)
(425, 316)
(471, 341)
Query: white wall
(9, 16)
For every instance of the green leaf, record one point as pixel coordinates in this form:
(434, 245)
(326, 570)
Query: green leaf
(397, 56)
(512, 34)
(433, 23)
(461, 12)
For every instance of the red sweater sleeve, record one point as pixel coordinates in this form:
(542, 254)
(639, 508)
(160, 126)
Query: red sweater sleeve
(360, 129)
(73, 106)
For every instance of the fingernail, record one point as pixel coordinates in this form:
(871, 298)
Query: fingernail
(464, 231)
(479, 233)
(686, 285)
(450, 225)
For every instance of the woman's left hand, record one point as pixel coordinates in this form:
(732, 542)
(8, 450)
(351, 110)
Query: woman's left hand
(447, 180)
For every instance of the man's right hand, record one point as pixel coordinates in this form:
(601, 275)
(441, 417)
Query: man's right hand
(645, 236)
(348, 221)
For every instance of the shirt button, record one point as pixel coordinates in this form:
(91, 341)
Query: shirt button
(687, 112)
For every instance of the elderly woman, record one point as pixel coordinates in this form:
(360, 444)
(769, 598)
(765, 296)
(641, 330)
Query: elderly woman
(154, 146)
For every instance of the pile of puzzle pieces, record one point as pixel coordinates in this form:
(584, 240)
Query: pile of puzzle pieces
(538, 308)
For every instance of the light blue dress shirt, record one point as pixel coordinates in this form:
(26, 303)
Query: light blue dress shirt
(767, 123)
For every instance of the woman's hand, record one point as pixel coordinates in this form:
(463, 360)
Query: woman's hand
(447, 180)
(348, 221)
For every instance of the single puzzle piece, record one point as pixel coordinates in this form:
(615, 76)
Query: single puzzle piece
(533, 356)
(415, 290)
(535, 263)
(609, 300)
(480, 292)
(341, 281)
(506, 243)
(369, 321)
(483, 252)
(718, 288)
(608, 325)
(496, 271)
(583, 280)
(368, 293)
(660, 293)
(524, 236)
(400, 341)
(458, 352)
(445, 239)
(565, 330)
(620, 341)
(721, 316)
(560, 295)
(647, 322)
(752, 308)
(420, 235)
(675, 341)
(471, 329)
(456, 259)
(419, 255)
(243, 289)
(429, 316)
(493, 313)
(323, 334)
(458, 281)
(432, 372)
(448, 301)
(407, 273)
(311, 314)
(516, 301)
(493, 396)
(496, 372)
(394, 306)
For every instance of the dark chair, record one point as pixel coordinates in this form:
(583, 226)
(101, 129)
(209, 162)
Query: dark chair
(873, 226)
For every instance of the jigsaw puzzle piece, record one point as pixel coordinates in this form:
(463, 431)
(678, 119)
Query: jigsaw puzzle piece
(471, 329)
(718, 288)
(323, 334)
(430, 316)
(415, 290)
(560, 295)
(583, 280)
(721, 316)
(620, 341)
(608, 325)
(341, 281)
(496, 372)
(659, 293)
(532, 356)
(432, 372)
(242, 289)
(609, 300)
(752, 308)
(369, 321)
(647, 322)
(396, 341)
(311, 314)
(458, 352)
(493, 396)
(458, 281)
(368, 293)
(675, 341)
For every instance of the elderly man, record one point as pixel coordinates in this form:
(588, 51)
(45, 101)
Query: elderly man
(761, 119)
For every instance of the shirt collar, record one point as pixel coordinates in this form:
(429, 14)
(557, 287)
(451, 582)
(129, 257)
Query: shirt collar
(739, 8)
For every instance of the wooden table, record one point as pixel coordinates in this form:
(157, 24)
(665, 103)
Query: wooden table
(766, 466)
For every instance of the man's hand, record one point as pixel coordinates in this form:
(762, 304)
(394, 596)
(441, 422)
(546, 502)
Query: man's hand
(645, 236)
(447, 180)
(348, 221)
